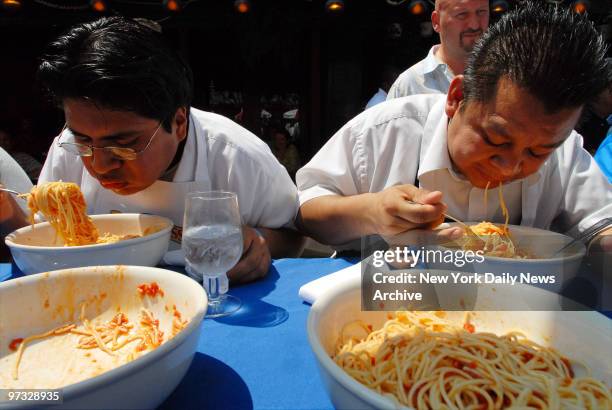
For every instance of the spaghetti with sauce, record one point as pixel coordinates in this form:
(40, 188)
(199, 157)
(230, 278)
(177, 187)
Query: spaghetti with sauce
(63, 205)
(422, 361)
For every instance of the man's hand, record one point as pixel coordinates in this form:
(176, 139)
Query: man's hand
(255, 260)
(393, 212)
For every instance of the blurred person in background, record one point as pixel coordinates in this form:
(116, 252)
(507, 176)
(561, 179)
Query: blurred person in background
(460, 23)
(286, 152)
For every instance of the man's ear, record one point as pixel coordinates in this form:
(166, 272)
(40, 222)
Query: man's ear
(435, 20)
(180, 123)
(454, 96)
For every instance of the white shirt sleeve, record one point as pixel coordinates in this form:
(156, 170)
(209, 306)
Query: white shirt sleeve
(265, 192)
(397, 88)
(588, 194)
(12, 176)
(337, 169)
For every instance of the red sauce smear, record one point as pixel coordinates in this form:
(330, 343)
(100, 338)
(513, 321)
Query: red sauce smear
(15, 343)
(151, 289)
(469, 327)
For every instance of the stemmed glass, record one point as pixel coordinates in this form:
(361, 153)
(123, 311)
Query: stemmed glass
(212, 242)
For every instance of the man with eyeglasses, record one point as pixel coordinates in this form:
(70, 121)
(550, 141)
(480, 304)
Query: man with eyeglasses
(132, 142)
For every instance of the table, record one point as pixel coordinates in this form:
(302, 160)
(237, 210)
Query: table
(258, 358)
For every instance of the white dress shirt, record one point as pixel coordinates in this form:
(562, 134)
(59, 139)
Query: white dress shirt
(428, 76)
(218, 155)
(404, 141)
(380, 96)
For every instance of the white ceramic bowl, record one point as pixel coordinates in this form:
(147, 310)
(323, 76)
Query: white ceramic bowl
(540, 243)
(37, 249)
(583, 336)
(41, 302)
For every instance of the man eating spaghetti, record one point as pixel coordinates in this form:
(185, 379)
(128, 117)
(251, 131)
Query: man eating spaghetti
(132, 142)
(507, 123)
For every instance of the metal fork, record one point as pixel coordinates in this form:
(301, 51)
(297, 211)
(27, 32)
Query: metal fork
(587, 235)
(17, 194)
(466, 227)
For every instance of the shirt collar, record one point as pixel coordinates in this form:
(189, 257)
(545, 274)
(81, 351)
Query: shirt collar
(431, 62)
(436, 155)
(186, 167)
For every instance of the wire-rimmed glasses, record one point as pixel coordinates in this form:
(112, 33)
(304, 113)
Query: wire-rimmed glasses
(120, 153)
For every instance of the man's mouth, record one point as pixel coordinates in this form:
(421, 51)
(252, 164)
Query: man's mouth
(113, 184)
(471, 34)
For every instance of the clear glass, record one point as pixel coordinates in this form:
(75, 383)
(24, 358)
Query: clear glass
(212, 242)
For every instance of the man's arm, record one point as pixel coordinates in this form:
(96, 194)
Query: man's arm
(283, 242)
(259, 247)
(335, 220)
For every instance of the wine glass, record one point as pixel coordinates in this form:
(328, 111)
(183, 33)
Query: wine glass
(212, 242)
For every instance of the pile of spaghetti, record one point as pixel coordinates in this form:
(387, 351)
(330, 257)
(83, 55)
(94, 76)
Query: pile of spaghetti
(423, 361)
(63, 205)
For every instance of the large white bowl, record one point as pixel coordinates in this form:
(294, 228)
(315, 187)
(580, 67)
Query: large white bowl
(37, 303)
(583, 336)
(540, 243)
(38, 249)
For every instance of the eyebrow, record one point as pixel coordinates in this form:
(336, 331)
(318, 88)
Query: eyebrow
(500, 130)
(115, 136)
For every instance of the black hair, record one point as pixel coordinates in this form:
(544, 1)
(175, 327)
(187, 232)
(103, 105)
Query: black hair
(121, 64)
(554, 53)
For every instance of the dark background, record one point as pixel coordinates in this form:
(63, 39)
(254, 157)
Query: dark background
(326, 65)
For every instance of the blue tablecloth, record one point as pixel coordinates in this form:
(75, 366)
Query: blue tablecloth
(259, 357)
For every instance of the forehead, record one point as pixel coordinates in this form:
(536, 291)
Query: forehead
(443, 5)
(91, 119)
(515, 111)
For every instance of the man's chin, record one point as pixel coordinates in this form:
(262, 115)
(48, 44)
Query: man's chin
(127, 190)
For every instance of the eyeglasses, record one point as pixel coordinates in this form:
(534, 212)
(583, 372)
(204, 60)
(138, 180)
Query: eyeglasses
(119, 153)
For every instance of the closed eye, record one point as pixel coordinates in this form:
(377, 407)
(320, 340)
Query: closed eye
(533, 154)
(486, 139)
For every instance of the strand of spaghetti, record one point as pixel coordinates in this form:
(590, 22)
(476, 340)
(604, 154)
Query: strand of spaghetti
(96, 335)
(486, 197)
(53, 332)
(505, 212)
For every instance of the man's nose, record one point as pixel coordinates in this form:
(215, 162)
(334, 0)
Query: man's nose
(474, 22)
(507, 165)
(102, 161)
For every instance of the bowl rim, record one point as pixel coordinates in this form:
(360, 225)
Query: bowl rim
(579, 254)
(125, 370)
(324, 360)
(8, 240)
